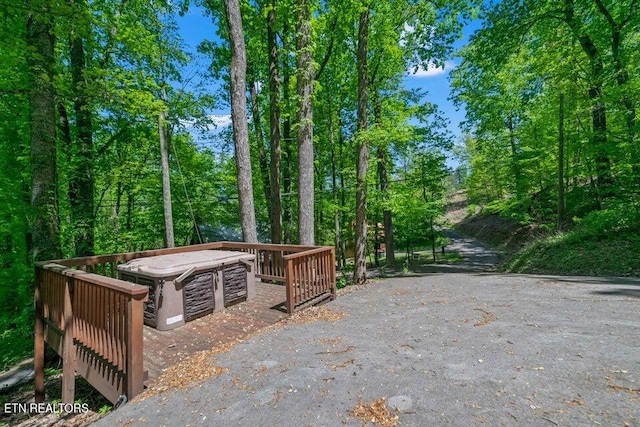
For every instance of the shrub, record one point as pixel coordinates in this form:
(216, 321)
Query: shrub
(613, 220)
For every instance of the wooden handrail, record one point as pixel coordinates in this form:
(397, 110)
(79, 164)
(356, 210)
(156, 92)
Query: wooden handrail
(268, 246)
(127, 256)
(127, 288)
(315, 250)
(310, 277)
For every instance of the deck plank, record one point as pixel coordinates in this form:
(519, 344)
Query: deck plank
(165, 348)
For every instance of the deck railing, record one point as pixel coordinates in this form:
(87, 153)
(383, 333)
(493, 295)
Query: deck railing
(95, 324)
(94, 321)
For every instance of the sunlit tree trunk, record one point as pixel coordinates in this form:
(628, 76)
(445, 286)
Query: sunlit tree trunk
(383, 178)
(598, 107)
(334, 183)
(362, 164)
(287, 173)
(622, 74)
(515, 165)
(560, 162)
(169, 238)
(304, 89)
(275, 212)
(238, 71)
(257, 128)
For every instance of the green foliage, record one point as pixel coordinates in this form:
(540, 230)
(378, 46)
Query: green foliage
(105, 409)
(16, 322)
(603, 243)
(132, 55)
(16, 274)
(342, 282)
(610, 255)
(618, 220)
(530, 61)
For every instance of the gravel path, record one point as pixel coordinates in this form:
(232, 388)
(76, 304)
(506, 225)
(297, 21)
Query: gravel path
(471, 348)
(475, 257)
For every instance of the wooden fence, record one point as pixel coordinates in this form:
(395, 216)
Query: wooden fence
(94, 321)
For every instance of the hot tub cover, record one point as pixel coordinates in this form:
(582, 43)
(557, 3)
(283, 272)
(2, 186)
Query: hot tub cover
(162, 266)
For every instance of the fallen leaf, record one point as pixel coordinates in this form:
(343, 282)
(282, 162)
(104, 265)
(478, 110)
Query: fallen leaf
(487, 317)
(376, 412)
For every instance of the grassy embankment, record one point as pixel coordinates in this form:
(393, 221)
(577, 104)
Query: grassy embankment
(604, 243)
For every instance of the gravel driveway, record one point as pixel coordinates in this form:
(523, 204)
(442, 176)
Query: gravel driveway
(443, 348)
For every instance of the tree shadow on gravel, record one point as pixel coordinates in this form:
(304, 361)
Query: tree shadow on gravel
(585, 280)
(633, 293)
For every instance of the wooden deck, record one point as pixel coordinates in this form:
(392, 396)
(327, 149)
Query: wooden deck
(165, 348)
(94, 320)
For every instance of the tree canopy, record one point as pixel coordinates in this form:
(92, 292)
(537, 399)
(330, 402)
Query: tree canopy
(551, 93)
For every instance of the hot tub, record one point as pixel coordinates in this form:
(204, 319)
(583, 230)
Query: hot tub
(188, 285)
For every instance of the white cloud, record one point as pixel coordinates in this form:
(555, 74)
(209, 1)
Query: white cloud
(431, 70)
(220, 120)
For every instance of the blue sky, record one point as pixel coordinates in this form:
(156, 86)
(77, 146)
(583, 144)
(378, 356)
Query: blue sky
(195, 27)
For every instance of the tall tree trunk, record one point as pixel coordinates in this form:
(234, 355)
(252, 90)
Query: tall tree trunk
(343, 193)
(336, 213)
(383, 178)
(334, 182)
(128, 225)
(433, 240)
(287, 181)
(515, 165)
(262, 152)
(598, 107)
(45, 236)
(304, 89)
(64, 131)
(169, 239)
(362, 164)
(238, 71)
(621, 73)
(81, 183)
(560, 162)
(274, 127)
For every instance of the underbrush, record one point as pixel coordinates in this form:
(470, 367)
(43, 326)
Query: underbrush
(17, 344)
(563, 254)
(16, 335)
(605, 242)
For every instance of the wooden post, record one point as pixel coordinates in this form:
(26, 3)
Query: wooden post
(289, 282)
(68, 349)
(134, 375)
(38, 347)
(332, 268)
